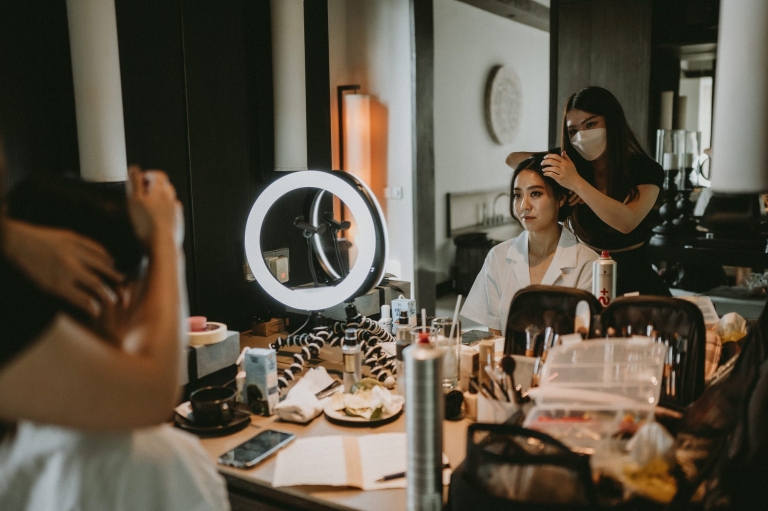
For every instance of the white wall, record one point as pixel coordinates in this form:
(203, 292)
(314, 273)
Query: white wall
(469, 42)
(370, 46)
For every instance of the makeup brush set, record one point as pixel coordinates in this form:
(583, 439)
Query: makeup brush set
(543, 317)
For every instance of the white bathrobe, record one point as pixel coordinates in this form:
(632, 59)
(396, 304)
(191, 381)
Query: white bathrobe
(506, 271)
(46, 468)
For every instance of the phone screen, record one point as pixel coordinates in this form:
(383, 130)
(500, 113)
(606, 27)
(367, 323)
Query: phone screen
(256, 449)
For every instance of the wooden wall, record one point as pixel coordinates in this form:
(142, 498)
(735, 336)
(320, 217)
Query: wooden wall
(605, 43)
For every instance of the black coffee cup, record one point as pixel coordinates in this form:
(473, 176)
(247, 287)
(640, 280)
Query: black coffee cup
(213, 406)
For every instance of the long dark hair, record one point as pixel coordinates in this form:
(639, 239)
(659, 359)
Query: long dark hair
(534, 165)
(621, 142)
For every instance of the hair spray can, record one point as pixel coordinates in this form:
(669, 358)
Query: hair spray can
(352, 359)
(424, 426)
(604, 279)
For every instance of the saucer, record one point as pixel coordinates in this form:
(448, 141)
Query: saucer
(241, 420)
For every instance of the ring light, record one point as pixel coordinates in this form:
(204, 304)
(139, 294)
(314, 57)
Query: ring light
(371, 240)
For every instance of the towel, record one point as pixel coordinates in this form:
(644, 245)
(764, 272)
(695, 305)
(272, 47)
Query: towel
(301, 404)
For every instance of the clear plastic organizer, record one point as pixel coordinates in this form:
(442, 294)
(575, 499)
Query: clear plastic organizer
(593, 392)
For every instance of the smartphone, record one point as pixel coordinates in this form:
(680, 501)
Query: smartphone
(256, 449)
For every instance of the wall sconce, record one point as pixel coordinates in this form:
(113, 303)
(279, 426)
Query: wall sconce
(354, 132)
(357, 157)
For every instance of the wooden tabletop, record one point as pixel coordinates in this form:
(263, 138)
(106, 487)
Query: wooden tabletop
(258, 479)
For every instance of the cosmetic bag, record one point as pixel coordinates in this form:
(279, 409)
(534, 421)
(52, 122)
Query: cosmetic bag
(512, 468)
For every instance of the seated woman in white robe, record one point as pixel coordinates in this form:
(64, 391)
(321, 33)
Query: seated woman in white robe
(545, 253)
(84, 383)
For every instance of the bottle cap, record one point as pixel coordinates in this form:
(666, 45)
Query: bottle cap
(423, 338)
(351, 310)
(386, 312)
(605, 255)
(350, 336)
(403, 319)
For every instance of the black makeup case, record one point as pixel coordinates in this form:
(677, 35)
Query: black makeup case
(677, 323)
(680, 325)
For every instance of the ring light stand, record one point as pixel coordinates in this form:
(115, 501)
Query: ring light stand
(366, 274)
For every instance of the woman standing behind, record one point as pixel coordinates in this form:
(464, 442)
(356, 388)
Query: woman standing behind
(614, 186)
(544, 253)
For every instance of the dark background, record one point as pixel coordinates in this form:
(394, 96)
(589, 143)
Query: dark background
(197, 96)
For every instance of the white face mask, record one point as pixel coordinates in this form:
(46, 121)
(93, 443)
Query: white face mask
(590, 144)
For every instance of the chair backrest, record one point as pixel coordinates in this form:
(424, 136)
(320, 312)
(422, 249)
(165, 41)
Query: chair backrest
(529, 305)
(681, 324)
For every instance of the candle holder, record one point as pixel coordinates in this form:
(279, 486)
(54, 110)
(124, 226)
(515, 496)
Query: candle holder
(670, 153)
(689, 171)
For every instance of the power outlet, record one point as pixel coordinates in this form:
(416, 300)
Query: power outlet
(393, 192)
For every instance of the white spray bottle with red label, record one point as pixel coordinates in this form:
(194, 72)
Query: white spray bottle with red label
(604, 279)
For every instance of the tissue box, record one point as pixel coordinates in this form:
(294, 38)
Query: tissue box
(261, 391)
(404, 304)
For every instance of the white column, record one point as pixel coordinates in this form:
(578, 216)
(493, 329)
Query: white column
(740, 133)
(357, 132)
(289, 85)
(98, 93)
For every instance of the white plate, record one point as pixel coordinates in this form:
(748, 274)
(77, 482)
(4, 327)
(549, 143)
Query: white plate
(340, 417)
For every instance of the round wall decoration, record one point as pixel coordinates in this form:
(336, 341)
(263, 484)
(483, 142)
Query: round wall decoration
(503, 104)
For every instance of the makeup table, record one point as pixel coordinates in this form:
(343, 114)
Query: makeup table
(253, 486)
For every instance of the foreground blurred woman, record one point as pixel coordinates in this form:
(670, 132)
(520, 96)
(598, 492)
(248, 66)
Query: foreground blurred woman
(77, 377)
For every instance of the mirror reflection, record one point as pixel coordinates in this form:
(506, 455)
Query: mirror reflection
(317, 246)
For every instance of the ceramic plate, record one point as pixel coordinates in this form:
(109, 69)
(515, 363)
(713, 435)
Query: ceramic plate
(339, 417)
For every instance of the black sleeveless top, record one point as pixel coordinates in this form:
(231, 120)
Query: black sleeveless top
(593, 231)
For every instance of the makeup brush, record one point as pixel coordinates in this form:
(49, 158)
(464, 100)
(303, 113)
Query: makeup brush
(581, 319)
(549, 334)
(556, 324)
(531, 333)
(508, 365)
(536, 372)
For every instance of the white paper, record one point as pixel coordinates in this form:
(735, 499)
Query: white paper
(705, 305)
(317, 461)
(381, 455)
(322, 461)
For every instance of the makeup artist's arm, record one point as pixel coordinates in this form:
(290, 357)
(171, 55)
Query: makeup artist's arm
(71, 377)
(624, 217)
(62, 263)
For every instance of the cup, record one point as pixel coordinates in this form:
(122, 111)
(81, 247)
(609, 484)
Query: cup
(444, 327)
(493, 411)
(213, 406)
